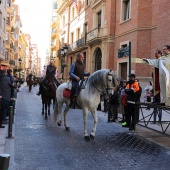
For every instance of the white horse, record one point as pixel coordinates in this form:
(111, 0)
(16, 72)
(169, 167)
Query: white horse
(88, 99)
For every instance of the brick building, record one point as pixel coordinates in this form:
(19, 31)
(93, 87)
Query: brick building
(109, 25)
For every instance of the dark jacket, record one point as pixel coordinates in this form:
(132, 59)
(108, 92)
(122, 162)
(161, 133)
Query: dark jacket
(50, 69)
(11, 78)
(114, 98)
(5, 87)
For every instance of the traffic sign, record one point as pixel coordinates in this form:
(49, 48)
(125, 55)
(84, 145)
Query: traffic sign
(137, 60)
(123, 52)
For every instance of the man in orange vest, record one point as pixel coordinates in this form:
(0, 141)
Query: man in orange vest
(132, 89)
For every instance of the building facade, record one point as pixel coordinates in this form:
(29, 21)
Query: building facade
(103, 29)
(3, 16)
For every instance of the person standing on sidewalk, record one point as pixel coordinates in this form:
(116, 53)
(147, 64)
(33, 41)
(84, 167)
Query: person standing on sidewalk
(156, 98)
(1, 126)
(5, 88)
(131, 90)
(9, 74)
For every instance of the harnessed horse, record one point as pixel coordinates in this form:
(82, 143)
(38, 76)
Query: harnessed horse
(88, 98)
(30, 83)
(48, 94)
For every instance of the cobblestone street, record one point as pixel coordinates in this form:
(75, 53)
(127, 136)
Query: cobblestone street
(41, 145)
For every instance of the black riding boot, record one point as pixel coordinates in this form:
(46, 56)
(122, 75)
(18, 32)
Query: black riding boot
(40, 90)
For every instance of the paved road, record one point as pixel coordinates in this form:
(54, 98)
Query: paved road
(41, 145)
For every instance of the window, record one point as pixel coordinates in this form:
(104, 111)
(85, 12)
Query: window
(0, 20)
(87, 2)
(73, 13)
(85, 30)
(78, 34)
(84, 59)
(3, 51)
(8, 3)
(62, 42)
(125, 10)
(4, 25)
(0, 46)
(124, 45)
(63, 20)
(99, 20)
(6, 55)
(72, 38)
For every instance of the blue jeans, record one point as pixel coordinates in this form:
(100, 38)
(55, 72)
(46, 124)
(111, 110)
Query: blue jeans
(75, 87)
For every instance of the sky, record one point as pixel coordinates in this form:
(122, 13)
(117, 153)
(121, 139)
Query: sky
(36, 20)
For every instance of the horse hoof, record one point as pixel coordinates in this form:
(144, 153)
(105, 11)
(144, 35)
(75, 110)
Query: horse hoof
(92, 137)
(59, 124)
(42, 113)
(67, 128)
(49, 114)
(46, 117)
(87, 138)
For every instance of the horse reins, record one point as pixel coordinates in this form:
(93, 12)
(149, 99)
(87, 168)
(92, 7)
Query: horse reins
(106, 88)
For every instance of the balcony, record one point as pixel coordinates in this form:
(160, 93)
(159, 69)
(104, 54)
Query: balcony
(78, 44)
(94, 36)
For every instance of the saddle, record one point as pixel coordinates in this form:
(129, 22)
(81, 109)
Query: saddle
(67, 93)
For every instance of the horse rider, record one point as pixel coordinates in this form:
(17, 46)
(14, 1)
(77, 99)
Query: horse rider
(49, 69)
(30, 76)
(77, 73)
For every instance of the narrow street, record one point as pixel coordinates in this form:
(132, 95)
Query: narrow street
(41, 145)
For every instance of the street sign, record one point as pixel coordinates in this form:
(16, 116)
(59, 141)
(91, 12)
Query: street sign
(137, 60)
(123, 52)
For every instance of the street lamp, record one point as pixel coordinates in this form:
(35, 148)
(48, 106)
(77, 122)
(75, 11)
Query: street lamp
(63, 65)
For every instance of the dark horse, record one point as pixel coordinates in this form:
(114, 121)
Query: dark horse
(48, 94)
(30, 83)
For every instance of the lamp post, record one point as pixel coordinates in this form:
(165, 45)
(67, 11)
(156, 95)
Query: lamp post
(63, 65)
(20, 61)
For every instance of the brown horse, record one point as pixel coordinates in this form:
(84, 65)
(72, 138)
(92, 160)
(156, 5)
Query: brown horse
(48, 94)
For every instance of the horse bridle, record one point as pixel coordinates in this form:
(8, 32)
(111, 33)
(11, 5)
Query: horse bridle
(108, 88)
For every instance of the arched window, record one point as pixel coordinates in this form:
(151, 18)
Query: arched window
(98, 59)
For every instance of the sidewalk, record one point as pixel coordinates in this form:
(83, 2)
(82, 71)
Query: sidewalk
(145, 133)
(3, 135)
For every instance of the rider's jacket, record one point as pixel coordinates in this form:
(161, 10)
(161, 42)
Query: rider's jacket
(79, 69)
(30, 76)
(51, 69)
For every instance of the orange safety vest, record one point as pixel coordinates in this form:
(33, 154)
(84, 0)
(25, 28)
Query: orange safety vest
(135, 86)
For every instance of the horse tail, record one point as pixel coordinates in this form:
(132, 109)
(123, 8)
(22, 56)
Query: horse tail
(55, 113)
